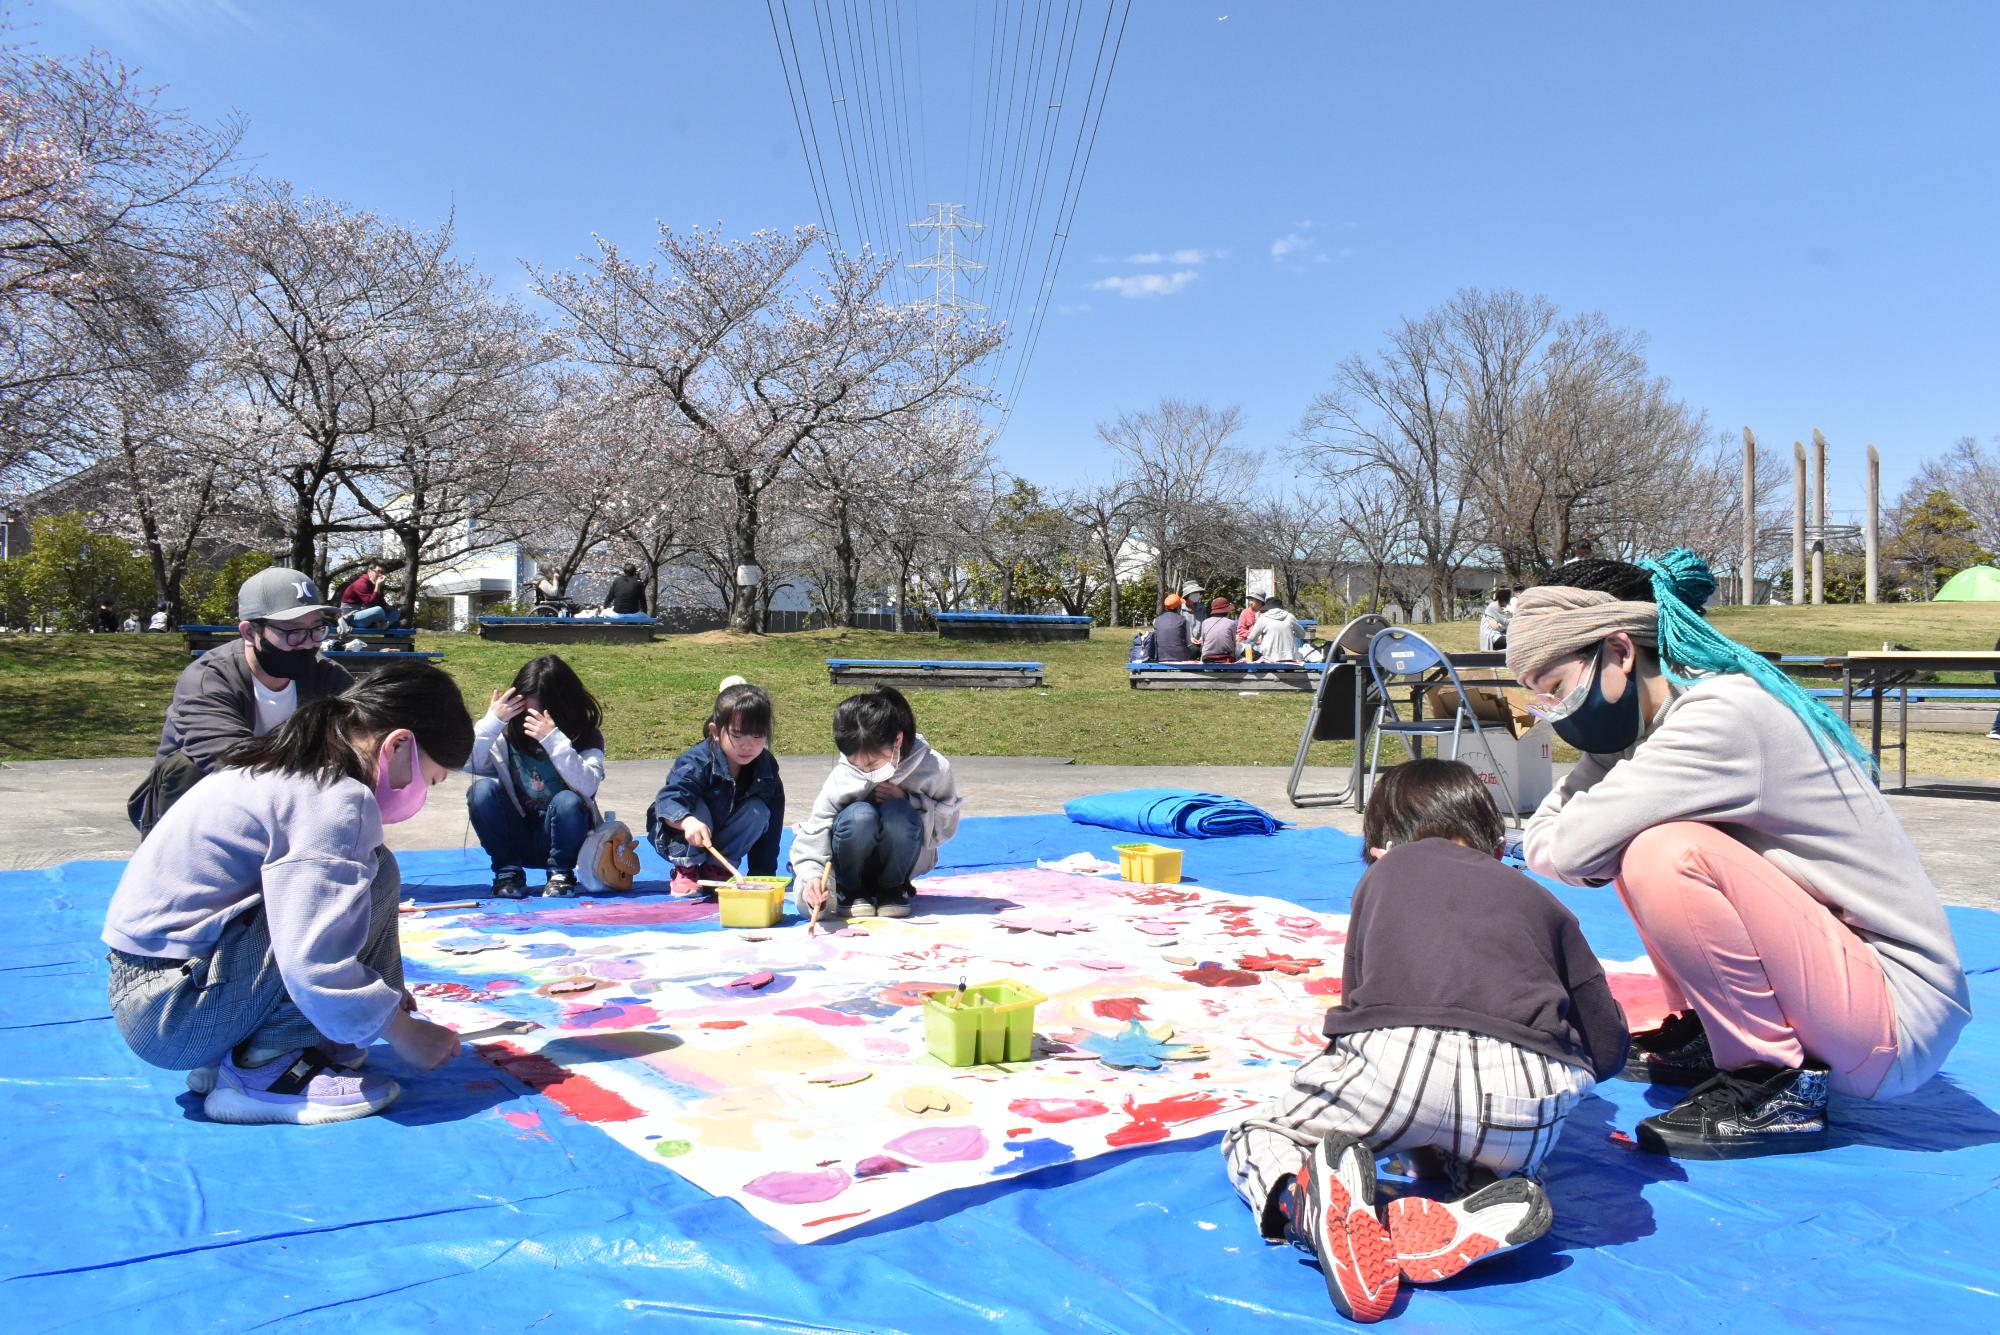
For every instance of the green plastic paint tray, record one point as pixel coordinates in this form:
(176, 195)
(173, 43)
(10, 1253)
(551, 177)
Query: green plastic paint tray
(994, 1022)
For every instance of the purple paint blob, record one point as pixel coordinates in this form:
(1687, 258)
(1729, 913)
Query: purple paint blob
(940, 1144)
(799, 1188)
(623, 970)
(875, 1165)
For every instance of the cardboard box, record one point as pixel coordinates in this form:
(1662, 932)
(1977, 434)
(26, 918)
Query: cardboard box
(1491, 702)
(1527, 762)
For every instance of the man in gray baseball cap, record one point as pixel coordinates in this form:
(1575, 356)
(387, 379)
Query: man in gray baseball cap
(243, 688)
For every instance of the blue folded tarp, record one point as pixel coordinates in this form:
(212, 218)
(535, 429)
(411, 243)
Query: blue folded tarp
(1173, 813)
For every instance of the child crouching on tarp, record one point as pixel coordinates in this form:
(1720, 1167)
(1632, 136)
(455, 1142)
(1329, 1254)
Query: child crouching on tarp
(1473, 1016)
(722, 795)
(880, 816)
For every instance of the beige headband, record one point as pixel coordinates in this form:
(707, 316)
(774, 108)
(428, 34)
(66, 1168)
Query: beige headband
(1553, 621)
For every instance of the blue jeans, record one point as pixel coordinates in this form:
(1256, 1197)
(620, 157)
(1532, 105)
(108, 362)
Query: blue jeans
(514, 840)
(373, 618)
(738, 835)
(875, 845)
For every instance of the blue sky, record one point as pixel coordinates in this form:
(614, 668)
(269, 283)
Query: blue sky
(1797, 203)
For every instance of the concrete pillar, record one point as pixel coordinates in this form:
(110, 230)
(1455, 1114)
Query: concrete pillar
(1749, 589)
(1798, 523)
(1819, 519)
(1874, 522)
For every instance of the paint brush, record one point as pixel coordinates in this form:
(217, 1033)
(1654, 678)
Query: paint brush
(825, 893)
(414, 907)
(727, 865)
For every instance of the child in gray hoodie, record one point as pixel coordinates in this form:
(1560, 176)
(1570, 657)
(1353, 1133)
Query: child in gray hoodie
(880, 816)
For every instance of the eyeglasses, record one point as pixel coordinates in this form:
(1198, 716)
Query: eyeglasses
(296, 637)
(1553, 708)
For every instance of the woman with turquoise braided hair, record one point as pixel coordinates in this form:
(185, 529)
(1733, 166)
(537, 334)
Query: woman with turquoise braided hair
(1800, 943)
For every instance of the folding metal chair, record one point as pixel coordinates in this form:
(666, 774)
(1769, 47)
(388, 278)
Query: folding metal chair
(1401, 659)
(1338, 707)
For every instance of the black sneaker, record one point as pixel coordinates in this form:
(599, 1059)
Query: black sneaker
(1760, 1109)
(893, 903)
(562, 884)
(859, 906)
(1675, 1053)
(510, 883)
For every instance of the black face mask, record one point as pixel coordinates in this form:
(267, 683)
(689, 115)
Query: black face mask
(285, 664)
(1599, 726)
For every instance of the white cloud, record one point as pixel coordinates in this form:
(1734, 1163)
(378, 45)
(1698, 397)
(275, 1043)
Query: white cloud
(1291, 243)
(1185, 255)
(1146, 284)
(1299, 245)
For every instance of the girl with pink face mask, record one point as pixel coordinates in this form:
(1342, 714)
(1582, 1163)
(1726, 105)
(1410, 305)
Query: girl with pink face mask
(254, 934)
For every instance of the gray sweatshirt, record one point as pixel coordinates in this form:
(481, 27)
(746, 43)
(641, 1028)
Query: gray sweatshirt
(309, 854)
(925, 778)
(1727, 753)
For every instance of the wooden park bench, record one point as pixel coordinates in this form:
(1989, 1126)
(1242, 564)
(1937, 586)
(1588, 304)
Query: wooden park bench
(1262, 675)
(568, 630)
(1009, 626)
(401, 639)
(903, 672)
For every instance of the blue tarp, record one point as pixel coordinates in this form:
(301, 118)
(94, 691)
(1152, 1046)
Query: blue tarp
(1172, 812)
(126, 1211)
(1033, 618)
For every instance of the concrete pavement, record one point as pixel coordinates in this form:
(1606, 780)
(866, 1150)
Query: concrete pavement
(53, 811)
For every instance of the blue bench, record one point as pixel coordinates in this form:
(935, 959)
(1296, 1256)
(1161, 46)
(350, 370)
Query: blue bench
(569, 630)
(358, 661)
(899, 672)
(1009, 626)
(1261, 675)
(400, 639)
(1977, 694)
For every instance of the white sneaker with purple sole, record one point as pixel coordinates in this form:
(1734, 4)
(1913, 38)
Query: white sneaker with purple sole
(302, 1088)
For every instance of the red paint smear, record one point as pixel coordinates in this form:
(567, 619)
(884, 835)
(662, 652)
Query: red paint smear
(1014, 1131)
(822, 1015)
(722, 1024)
(501, 984)
(580, 1098)
(1151, 1121)
(1057, 1110)
(1120, 1008)
(1639, 993)
(1323, 987)
(912, 994)
(1278, 963)
(450, 991)
(835, 1218)
(1214, 975)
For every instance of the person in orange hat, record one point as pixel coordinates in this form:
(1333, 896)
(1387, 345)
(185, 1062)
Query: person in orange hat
(1170, 633)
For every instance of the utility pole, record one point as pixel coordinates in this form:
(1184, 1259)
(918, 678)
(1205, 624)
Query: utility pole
(1748, 590)
(1874, 525)
(1798, 523)
(1819, 519)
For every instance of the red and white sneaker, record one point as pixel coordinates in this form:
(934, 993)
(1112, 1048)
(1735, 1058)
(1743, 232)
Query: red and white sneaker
(686, 881)
(1335, 1214)
(1436, 1239)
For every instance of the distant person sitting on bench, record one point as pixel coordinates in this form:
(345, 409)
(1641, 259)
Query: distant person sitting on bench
(1277, 635)
(1218, 632)
(627, 596)
(1493, 621)
(362, 605)
(1170, 633)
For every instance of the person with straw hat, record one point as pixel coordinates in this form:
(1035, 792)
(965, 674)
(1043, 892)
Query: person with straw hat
(1799, 941)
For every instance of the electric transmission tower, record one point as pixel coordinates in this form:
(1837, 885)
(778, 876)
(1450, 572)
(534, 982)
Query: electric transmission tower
(944, 267)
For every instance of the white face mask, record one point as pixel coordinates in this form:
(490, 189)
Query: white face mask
(883, 772)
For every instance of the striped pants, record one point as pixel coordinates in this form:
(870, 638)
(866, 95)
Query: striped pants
(1477, 1101)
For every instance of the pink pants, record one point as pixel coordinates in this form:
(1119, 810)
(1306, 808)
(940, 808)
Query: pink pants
(1774, 975)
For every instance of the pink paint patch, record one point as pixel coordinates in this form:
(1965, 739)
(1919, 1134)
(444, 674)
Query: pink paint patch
(799, 1188)
(1322, 987)
(821, 1015)
(500, 984)
(1057, 1110)
(610, 1017)
(941, 1144)
(607, 915)
(619, 969)
(527, 1121)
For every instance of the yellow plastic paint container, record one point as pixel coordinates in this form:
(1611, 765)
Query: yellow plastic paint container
(753, 901)
(1148, 862)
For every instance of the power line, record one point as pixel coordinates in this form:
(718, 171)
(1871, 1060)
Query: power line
(1037, 194)
(829, 67)
(810, 155)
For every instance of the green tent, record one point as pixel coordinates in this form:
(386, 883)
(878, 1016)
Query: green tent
(1974, 584)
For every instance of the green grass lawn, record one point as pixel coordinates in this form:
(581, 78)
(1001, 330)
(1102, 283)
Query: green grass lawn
(85, 696)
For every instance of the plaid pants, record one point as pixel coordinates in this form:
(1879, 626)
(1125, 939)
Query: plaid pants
(1475, 1100)
(183, 1014)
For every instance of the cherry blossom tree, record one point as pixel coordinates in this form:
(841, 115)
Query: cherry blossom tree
(725, 334)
